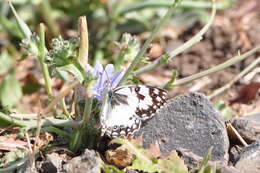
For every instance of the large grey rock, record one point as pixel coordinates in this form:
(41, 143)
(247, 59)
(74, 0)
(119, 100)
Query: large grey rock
(88, 162)
(188, 122)
(248, 127)
(249, 159)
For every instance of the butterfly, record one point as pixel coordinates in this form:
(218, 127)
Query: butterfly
(126, 107)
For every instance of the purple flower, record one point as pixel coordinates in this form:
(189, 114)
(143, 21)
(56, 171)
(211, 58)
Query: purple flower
(105, 78)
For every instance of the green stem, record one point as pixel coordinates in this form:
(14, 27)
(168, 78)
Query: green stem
(44, 68)
(140, 54)
(216, 68)
(185, 5)
(195, 39)
(64, 108)
(87, 110)
(31, 124)
(119, 60)
(58, 131)
(240, 75)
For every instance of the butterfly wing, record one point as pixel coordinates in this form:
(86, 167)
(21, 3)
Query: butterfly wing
(127, 106)
(150, 100)
(117, 114)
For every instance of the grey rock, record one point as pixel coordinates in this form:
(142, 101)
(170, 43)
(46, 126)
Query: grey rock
(55, 159)
(227, 169)
(51, 163)
(88, 162)
(248, 127)
(188, 122)
(249, 159)
(234, 152)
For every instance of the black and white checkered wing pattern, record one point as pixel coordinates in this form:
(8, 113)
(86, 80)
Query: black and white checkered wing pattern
(127, 106)
(150, 100)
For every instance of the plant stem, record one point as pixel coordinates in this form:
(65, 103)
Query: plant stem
(195, 39)
(31, 124)
(140, 54)
(64, 108)
(58, 131)
(44, 68)
(240, 75)
(231, 128)
(185, 4)
(216, 68)
(87, 110)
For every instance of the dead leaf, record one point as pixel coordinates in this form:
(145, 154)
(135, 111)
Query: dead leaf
(154, 51)
(44, 139)
(10, 144)
(154, 149)
(120, 158)
(247, 93)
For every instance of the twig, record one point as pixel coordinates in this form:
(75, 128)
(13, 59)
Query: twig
(240, 75)
(31, 151)
(140, 54)
(229, 126)
(217, 68)
(195, 39)
(38, 130)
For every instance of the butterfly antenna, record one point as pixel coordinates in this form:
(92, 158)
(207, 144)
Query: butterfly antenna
(109, 82)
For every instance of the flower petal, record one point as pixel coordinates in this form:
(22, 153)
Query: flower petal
(89, 69)
(109, 69)
(116, 78)
(97, 69)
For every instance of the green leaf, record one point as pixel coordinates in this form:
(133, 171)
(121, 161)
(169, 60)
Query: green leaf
(10, 90)
(173, 163)
(111, 169)
(141, 165)
(24, 28)
(145, 162)
(75, 142)
(5, 63)
(204, 167)
(13, 156)
(68, 72)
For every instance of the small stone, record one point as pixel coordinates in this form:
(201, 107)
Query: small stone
(88, 162)
(227, 169)
(248, 127)
(249, 159)
(51, 163)
(188, 122)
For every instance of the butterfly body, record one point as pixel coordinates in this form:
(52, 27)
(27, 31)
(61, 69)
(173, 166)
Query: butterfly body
(126, 107)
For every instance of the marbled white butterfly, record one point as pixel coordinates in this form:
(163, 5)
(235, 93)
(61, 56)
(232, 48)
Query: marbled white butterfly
(126, 107)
